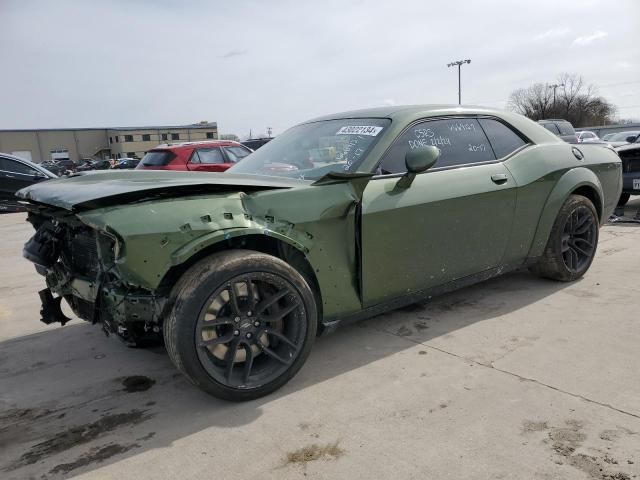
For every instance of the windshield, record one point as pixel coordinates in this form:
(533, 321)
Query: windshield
(622, 136)
(311, 150)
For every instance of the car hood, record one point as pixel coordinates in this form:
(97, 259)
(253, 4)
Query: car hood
(628, 146)
(618, 144)
(88, 190)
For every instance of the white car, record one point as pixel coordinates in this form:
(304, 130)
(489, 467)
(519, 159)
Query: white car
(585, 136)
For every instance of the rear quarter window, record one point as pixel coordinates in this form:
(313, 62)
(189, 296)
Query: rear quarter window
(157, 158)
(236, 152)
(503, 140)
(566, 128)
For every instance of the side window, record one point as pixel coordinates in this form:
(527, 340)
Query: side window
(566, 128)
(236, 153)
(17, 167)
(552, 128)
(460, 140)
(209, 155)
(502, 138)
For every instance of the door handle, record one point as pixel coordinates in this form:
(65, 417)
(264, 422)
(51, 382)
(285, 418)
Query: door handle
(499, 178)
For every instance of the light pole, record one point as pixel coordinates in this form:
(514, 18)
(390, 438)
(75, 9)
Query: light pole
(555, 86)
(459, 63)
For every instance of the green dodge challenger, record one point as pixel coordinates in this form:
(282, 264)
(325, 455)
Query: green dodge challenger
(337, 219)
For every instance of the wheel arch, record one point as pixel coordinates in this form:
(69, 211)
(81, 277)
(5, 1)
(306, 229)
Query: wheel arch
(577, 181)
(270, 243)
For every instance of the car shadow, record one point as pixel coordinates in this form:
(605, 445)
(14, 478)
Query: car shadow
(72, 400)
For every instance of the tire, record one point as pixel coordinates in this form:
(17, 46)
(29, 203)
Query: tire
(240, 324)
(624, 198)
(567, 255)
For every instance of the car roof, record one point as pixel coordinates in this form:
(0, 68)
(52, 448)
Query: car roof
(553, 120)
(410, 113)
(398, 111)
(203, 143)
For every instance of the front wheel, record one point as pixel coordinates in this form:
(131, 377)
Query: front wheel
(572, 243)
(241, 325)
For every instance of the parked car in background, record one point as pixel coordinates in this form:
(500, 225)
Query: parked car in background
(206, 156)
(94, 165)
(585, 136)
(54, 167)
(630, 156)
(66, 163)
(561, 128)
(16, 173)
(377, 209)
(256, 143)
(623, 138)
(124, 163)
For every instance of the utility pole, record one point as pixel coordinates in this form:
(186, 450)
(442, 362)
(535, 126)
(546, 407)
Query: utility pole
(555, 86)
(459, 63)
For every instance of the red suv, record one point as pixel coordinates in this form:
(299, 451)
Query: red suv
(206, 156)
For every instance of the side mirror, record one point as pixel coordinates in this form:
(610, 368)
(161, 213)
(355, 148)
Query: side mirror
(418, 161)
(631, 139)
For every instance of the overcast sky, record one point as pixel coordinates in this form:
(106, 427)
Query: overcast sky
(250, 64)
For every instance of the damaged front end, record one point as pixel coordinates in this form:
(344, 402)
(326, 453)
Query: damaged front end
(79, 265)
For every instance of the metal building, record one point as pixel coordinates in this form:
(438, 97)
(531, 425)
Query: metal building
(77, 143)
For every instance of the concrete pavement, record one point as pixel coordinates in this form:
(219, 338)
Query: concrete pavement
(516, 378)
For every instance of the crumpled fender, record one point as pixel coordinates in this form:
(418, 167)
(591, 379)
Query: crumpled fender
(155, 236)
(569, 182)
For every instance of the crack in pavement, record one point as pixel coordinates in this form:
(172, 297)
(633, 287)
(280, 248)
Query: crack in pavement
(520, 377)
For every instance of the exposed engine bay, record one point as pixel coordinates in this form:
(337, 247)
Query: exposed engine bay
(79, 264)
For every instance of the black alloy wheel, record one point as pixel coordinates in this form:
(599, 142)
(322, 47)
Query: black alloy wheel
(579, 239)
(250, 330)
(240, 324)
(572, 242)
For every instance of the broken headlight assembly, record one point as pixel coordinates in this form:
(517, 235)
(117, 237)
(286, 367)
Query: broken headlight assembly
(43, 248)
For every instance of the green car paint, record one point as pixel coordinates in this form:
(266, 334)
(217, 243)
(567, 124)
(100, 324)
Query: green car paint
(367, 245)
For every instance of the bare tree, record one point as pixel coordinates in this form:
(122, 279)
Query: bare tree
(574, 101)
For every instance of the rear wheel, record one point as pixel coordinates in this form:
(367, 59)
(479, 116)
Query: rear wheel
(572, 243)
(624, 198)
(242, 324)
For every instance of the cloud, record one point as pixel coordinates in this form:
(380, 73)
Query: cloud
(589, 39)
(234, 53)
(623, 66)
(551, 34)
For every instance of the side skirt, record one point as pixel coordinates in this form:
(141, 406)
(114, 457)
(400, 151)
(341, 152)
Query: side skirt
(399, 302)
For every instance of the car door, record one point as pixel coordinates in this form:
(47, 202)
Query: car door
(453, 221)
(15, 175)
(208, 159)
